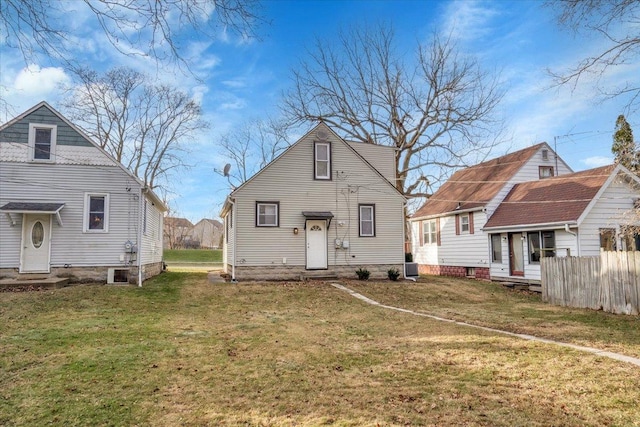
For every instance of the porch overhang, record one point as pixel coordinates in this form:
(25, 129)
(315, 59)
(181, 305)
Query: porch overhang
(529, 227)
(318, 215)
(19, 208)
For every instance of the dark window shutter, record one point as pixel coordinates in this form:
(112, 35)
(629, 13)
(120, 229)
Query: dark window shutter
(457, 225)
(470, 222)
(438, 231)
(421, 232)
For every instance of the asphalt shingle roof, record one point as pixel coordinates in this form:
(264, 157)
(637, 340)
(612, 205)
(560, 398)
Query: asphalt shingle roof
(475, 186)
(552, 200)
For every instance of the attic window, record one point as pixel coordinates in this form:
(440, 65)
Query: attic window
(545, 154)
(42, 142)
(322, 160)
(545, 171)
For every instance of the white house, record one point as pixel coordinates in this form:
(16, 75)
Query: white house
(324, 207)
(69, 209)
(496, 219)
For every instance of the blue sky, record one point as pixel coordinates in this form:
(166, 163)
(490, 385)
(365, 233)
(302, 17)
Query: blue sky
(244, 79)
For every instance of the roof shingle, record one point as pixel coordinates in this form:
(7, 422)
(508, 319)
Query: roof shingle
(475, 186)
(553, 200)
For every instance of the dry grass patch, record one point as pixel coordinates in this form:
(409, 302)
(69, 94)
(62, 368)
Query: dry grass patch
(181, 351)
(492, 305)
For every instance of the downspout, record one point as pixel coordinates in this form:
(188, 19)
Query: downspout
(235, 243)
(566, 228)
(140, 219)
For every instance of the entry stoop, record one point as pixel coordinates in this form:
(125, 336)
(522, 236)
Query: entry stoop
(34, 281)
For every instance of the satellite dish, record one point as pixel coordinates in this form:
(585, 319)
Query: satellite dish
(226, 169)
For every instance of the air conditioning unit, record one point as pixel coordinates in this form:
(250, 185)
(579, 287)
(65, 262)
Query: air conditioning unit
(117, 275)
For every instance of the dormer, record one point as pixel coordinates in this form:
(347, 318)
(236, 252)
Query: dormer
(42, 142)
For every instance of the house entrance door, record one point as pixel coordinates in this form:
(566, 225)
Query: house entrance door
(36, 248)
(316, 233)
(516, 255)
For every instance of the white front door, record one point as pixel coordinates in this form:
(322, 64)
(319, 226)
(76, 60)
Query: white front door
(316, 244)
(36, 248)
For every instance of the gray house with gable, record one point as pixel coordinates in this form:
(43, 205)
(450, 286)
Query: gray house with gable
(69, 209)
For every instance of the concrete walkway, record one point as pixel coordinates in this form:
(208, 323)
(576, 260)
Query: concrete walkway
(616, 356)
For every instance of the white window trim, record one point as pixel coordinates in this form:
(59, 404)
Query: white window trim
(462, 223)
(32, 142)
(315, 160)
(373, 220)
(427, 233)
(277, 219)
(85, 216)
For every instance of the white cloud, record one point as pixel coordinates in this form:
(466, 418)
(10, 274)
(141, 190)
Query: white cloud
(596, 161)
(39, 82)
(26, 87)
(468, 20)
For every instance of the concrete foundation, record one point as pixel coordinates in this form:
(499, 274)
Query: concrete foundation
(293, 272)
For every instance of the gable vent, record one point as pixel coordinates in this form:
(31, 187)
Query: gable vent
(322, 135)
(545, 154)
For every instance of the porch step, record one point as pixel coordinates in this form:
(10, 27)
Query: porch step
(516, 286)
(35, 282)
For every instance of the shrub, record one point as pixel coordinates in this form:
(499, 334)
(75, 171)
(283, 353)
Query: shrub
(393, 274)
(363, 273)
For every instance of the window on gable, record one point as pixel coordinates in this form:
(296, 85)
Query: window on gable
(608, 239)
(367, 220)
(496, 248)
(267, 214)
(42, 142)
(429, 231)
(322, 160)
(96, 213)
(545, 171)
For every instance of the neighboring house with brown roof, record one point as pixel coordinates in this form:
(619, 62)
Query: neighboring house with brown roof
(495, 219)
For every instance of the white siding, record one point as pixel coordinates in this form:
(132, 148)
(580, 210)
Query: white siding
(610, 211)
(289, 181)
(23, 182)
(426, 253)
(463, 250)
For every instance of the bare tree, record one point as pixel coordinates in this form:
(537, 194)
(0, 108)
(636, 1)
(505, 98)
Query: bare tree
(133, 27)
(615, 22)
(437, 107)
(143, 125)
(250, 147)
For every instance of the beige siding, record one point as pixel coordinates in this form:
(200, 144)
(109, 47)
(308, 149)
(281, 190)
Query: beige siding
(380, 157)
(289, 181)
(151, 251)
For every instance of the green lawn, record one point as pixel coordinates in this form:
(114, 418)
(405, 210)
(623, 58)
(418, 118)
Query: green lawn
(193, 255)
(182, 351)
